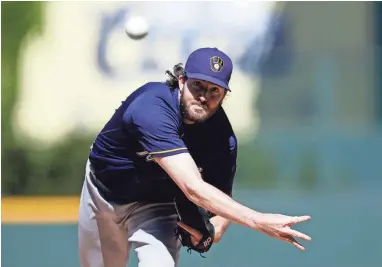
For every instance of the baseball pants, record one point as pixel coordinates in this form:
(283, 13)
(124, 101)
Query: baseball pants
(108, 231)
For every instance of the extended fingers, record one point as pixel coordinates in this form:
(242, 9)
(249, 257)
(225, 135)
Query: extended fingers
(297, 234)
(298, 245)
(298, 219)
(294, 242)
(294, 220)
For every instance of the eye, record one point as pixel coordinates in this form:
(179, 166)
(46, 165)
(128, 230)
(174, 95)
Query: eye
(196, 83)
(215, 90)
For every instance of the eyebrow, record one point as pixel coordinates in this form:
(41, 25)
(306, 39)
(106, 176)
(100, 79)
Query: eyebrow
(205, 84)
(217, 87)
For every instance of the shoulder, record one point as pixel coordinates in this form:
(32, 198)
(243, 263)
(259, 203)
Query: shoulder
(156, 92)
(156, 85)
(221, 126)
(152, 94)
(150, 101)
(220, 122)
(158, 89)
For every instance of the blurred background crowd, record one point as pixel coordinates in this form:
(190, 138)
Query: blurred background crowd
(306, 106)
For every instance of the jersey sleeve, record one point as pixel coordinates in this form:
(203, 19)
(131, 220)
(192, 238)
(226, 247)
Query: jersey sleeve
(156, 125)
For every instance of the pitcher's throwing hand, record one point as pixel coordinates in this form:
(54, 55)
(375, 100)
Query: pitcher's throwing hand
(279, 226)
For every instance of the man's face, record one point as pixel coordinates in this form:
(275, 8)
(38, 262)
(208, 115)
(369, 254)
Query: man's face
(199, 99)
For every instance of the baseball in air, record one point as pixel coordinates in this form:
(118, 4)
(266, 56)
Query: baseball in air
(136, 27)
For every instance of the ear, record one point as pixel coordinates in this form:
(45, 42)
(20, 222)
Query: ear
(181, 81)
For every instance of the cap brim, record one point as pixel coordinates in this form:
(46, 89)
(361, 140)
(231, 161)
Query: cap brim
(207, 78)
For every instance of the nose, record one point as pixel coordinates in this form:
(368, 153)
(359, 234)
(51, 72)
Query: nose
(203, 99)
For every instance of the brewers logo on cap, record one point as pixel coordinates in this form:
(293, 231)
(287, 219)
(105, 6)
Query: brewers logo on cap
(216, 63)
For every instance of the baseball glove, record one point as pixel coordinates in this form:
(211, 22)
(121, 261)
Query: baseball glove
(197, 218)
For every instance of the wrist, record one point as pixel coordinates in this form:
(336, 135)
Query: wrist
(256, 219)
(225, 225)
(220, 223)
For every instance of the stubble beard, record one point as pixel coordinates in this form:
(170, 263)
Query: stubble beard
(194, 116)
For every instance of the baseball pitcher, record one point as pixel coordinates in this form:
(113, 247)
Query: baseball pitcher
(159, 174)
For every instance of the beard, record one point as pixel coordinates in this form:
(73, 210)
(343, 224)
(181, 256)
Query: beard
(195, 111)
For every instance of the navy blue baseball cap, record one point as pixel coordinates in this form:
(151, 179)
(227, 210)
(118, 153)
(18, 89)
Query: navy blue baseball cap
(211, 65)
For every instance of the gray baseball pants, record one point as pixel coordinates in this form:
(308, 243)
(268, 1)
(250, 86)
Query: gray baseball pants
(108, 231)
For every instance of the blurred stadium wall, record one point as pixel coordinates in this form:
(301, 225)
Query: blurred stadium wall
(306, 105)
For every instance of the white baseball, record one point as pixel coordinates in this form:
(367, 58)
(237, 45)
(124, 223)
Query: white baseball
(136, 27)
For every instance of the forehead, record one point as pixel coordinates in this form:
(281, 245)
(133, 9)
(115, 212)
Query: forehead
(205, 83)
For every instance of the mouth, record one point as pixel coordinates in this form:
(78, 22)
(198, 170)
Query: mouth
(199, 105)
(200, 108)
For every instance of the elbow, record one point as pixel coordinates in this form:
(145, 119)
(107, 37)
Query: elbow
(194, 192)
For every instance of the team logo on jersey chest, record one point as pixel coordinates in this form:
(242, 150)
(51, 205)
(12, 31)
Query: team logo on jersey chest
(216, 64)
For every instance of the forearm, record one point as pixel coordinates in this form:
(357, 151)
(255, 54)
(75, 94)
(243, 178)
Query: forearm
(214, 200)
(182, 169)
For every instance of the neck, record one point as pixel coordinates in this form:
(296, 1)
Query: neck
(188, 121)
